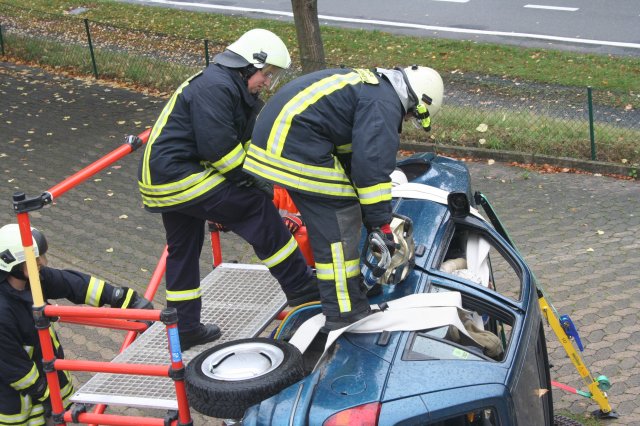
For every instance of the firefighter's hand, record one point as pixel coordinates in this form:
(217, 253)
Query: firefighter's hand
(264, 186)
(124, 297)
(293, 222)
(387, 236)
(139, 302)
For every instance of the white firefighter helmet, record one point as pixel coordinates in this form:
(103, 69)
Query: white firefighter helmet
(11, 249)
(257, 47)
(427, 86)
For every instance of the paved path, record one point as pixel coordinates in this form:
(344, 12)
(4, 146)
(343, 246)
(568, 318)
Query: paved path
(579, 233)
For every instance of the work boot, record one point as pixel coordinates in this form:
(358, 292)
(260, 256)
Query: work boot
(308, 292)
(198, 336)
(336, 322)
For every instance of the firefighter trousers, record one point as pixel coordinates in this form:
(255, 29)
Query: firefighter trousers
(247, 212)
(334, 227)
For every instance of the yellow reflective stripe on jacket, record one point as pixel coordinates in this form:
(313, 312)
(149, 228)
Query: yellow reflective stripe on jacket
(159, 125)
(340, 277)
(282, 254)
(172, 187)
(302, 101)
(231, 160)
(183, 295)
(29, 415)
(296, 175)
(179, 198)
(344, 149)
(94, 292)
(375, 194)
(29, 350)
(27, 380)
(336, 173)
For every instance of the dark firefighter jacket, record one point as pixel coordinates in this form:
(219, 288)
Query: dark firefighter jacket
(196, 142)
(331, 133)
(23, 385)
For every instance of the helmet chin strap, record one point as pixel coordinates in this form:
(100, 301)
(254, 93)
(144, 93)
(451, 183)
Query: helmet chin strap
(247, 72)
(398, 80)
(18, 273)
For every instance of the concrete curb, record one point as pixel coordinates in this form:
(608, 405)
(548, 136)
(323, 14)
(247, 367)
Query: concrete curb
(519, 157)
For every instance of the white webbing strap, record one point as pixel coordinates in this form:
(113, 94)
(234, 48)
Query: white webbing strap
(410, 313)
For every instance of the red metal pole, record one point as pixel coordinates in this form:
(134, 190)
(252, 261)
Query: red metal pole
(116, 324)
(111, 419)
(178, 365)
(95, 167)
(91, 312)
(112, 367)
(216, 252)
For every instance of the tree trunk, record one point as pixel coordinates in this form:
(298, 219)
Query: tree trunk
(305, 16)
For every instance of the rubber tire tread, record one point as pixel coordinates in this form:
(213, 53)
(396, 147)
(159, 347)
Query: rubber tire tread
(230, 399)
(559, 420)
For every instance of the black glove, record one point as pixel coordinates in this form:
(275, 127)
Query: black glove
(387, 236)
(264, 186)
(293, 222)
(124, 297)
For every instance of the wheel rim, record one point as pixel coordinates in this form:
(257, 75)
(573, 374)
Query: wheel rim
(242, 361)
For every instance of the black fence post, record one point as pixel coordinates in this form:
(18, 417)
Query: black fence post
(93, 58)
(206, 51)
(591, 124)
(1, 42)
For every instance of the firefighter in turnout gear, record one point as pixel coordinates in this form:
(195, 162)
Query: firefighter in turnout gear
(24, 392)
(331, 138)
(191, 172)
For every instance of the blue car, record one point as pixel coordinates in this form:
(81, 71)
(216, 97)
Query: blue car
(457, 337)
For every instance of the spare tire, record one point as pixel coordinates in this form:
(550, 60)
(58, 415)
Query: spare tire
(225, 380)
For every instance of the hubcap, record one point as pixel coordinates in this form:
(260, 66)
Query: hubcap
(242, 361)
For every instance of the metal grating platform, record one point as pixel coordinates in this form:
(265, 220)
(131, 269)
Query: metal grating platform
(241, 299)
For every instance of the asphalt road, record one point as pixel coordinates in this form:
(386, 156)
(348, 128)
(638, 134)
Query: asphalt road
(588, 26)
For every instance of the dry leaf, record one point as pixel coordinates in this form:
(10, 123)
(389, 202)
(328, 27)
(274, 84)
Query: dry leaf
(123, 216)
(541, 392)
(491, 162)
(109, 250)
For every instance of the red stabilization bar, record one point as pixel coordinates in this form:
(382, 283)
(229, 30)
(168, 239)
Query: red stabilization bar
(112, 313)
(95, 167)
(111, 419)
(111, 367)
(116, 324)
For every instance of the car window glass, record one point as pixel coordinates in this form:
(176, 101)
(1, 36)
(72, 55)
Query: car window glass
(477, 259)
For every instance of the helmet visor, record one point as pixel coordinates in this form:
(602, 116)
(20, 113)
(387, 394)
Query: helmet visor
(273, 73)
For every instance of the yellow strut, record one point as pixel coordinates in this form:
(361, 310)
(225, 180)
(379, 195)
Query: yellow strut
(597, 394)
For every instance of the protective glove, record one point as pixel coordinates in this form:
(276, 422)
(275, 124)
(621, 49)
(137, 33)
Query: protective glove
(293, 222)
(264, 186)
(124, 297)
(387, 236)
